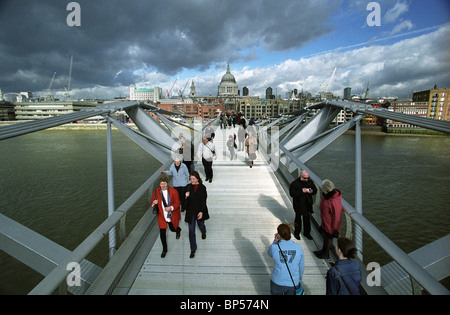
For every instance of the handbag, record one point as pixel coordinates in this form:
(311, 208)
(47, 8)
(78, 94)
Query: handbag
(155, 207)
(298, 290)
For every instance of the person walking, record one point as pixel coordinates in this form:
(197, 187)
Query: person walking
(344, 277)
(186, 150)
(180, 174)
(231, 144)
(286, 254)
(221, 120)
(207, 152)
(196, 209)
(331, 216)
(250, 143)
(302, 191)
(224, 121)
(241, 138)
(169, 214)
(209, 131)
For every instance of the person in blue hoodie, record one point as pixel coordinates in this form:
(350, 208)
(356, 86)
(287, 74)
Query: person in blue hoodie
(180, 175)
(344, 277)
(281, 282)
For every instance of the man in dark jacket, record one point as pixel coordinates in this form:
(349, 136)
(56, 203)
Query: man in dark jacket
(301, 190)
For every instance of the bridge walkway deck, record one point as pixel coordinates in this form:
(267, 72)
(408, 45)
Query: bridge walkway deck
(246, 205)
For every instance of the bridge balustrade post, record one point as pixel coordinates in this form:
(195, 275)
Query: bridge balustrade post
(111, 206)
(358, 188)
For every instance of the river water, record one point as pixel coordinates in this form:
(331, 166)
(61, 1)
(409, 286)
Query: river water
(54, 182)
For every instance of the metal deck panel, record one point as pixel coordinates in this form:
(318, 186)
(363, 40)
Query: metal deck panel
(246, 205)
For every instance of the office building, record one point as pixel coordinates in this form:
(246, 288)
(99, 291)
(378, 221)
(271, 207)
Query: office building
(143, 94)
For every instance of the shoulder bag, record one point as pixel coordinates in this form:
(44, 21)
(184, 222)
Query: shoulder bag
(169, 213)
(155, 207)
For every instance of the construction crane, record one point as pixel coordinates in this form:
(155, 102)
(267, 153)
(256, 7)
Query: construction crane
(331, 79)
(67, 94)
(182, 91)
(366, 95)
(51, 83)
(170, 91)
(323, 92)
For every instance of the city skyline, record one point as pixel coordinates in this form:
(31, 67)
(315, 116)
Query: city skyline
(285, 45)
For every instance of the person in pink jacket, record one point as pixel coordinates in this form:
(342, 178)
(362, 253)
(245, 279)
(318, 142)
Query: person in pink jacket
(331, 215)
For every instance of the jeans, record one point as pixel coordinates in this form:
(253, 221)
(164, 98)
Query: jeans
(276, 289)
(201, 225)
(231, 153)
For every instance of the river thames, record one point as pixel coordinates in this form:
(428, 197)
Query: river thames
(54, 182)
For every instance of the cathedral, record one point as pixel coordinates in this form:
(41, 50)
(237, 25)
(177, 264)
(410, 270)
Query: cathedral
(228, 85)
(228, 90)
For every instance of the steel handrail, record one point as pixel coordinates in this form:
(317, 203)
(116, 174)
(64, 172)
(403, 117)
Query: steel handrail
(407, 263)
(51, 282)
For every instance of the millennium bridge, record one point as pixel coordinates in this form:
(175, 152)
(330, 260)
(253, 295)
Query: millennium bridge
(233, 259)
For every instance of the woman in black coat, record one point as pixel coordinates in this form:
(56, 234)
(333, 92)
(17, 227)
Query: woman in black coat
(196, 209)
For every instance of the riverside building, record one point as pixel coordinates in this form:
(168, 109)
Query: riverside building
(437, 100)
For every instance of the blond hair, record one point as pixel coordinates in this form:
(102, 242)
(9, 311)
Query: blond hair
(328, 185)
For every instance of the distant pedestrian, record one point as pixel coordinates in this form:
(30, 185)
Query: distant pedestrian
(221, 120)
(180, 174)
(286, 254)
(231, 145)
(224, 121)
(207, 153)
(209, 131)
(186, 149)
(196, 209)
(250, 143)
(241, 137)
(243, 122)
(344, 277)
(302, 191)
(331, 215)
(169, 214)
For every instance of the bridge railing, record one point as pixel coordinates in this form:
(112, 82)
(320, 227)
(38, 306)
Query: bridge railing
(284, 162)
(156, 140)
(275, 149)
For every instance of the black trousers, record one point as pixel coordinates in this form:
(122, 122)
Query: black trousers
(162, 234)
(306, 223)
(181, 193)
(208, 168)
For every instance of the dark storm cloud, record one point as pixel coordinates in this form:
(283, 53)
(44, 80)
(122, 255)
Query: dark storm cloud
(117, 37)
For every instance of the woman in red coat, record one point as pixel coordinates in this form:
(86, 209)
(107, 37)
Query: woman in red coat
(331, 215)
(169, 214)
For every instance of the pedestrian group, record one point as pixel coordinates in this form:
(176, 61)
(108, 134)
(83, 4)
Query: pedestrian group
(189, 194)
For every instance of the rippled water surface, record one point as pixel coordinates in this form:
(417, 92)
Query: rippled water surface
(405, 184)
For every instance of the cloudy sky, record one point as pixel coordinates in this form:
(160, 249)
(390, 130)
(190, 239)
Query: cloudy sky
(284, 44)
